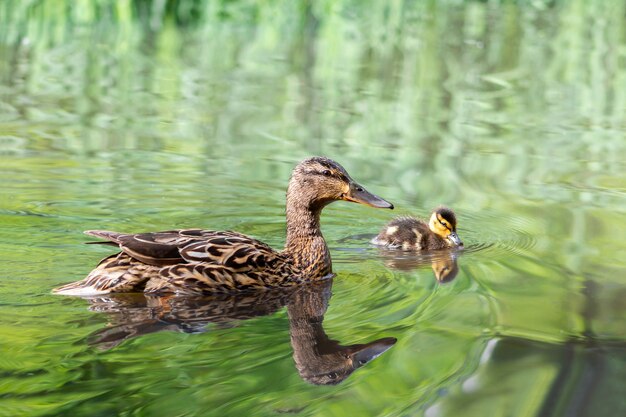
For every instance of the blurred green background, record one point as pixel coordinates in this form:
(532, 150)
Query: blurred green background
(147, 115)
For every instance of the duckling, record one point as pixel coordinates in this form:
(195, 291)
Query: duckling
(196, 261)
(409, 233)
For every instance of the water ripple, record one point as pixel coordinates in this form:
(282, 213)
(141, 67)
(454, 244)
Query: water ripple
(486, 233)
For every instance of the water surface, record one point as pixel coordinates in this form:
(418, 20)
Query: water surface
(134, 118)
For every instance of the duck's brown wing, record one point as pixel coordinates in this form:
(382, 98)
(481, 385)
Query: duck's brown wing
(190, 261)
(231, 249)
(224, 263)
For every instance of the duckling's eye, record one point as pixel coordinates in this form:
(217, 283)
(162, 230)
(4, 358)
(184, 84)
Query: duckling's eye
(327, 173)
(333, 375)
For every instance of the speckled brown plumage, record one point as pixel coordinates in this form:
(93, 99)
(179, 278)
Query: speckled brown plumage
(195, 261)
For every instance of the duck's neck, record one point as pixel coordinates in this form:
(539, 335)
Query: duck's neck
(305, 244)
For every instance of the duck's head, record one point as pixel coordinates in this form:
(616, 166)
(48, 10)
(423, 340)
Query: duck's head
(318, 181)
(443, 223)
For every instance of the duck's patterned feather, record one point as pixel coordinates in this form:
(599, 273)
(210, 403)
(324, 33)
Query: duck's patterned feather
(201, 278)
(190, 261)
(115, 273)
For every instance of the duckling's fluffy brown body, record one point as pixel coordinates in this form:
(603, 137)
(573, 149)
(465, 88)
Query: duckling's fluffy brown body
(409, 233)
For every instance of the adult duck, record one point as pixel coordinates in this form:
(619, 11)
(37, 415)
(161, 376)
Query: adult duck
(195, 261)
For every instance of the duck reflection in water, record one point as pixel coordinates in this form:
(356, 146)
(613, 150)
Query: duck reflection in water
(319, 359)
(443, 262)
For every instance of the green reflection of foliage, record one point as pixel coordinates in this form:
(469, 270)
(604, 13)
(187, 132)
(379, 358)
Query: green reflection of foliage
(513, 112)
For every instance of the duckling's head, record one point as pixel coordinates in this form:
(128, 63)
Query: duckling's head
(318, 181)
(443, 223)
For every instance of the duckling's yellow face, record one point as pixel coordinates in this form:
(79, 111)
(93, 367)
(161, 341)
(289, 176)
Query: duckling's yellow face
(443, 223)
(318, 181)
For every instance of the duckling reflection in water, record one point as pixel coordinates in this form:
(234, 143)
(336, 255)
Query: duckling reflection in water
(443, 262)
(319, 360)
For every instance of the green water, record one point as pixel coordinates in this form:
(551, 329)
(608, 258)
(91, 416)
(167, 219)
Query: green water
(139, 116)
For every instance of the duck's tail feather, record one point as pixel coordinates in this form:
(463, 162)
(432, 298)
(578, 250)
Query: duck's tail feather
(116, 273)
(105, 234)
(108, 243)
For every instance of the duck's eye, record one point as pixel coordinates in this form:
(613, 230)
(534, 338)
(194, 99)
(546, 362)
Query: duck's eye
(327, 173)
(333, 375)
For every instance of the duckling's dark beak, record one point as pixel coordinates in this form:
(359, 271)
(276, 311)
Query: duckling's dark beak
(454, 238)
(358, 194)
